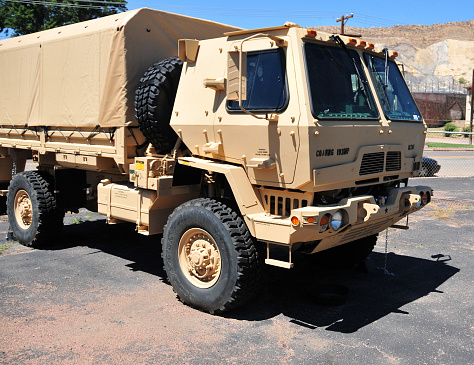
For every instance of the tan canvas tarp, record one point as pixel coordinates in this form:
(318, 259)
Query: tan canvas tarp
(86, 74)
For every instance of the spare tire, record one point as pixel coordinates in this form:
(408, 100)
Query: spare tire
(154, 101)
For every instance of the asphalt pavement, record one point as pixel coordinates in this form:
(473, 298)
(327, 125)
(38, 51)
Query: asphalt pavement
(100, 296)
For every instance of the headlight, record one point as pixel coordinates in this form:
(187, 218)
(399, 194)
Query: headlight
(418, 203)
(336, 220)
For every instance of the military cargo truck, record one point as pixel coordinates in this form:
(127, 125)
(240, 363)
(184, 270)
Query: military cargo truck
(236, 145)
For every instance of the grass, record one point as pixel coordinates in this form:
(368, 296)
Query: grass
(6, 246)
(443, 214)
(454, 145)
(3, 248)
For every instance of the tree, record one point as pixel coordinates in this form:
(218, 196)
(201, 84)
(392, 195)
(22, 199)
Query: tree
(27, 16)
(462, 81)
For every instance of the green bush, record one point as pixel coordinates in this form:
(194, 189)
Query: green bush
(466, 129)
(449, 127)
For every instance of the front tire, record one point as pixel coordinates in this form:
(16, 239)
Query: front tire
(31, 208)
(210, 258)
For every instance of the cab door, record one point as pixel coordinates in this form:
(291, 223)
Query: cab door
(265, 138)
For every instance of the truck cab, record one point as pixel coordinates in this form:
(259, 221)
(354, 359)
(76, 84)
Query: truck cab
(324, 126)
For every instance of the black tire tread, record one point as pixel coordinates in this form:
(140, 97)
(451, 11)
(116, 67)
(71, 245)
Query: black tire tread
(50, 219)
(154, 99)
(250, 259)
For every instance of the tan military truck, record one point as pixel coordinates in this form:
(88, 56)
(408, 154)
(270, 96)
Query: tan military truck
(249, 144)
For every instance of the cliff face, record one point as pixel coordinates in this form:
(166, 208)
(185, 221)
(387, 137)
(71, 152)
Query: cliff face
(430, 53)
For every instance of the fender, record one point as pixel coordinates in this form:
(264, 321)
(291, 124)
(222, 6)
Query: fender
(243, 191)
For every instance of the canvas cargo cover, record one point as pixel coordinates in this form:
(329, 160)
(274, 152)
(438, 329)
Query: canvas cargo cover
(86, 74)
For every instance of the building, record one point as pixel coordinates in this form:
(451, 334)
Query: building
(438, 108)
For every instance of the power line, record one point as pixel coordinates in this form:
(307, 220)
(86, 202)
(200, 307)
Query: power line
(268, 13)
(68, 5)
(364, 19)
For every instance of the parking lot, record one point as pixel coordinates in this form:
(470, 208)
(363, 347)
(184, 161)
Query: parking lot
(100, 296)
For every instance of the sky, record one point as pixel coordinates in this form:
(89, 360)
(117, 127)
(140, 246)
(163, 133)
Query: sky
(367, 13)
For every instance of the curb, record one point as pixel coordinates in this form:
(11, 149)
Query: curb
(447, 149)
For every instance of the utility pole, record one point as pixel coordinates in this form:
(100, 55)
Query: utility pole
(343, 19)
(472, 107)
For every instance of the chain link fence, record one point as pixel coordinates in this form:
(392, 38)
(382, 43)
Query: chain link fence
(436, 86)
(449, 154)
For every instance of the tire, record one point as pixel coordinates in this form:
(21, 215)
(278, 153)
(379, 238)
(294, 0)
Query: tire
(348, 254)
(154, 101)
(210, 258)
(31, 208)
(3, 199)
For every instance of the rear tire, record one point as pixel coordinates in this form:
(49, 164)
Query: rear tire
(210, 257)
(31, 207)
(154, 101)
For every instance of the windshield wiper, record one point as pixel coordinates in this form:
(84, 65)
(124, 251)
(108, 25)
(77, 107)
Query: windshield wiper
(383, 87)
(385, 50)
(362, 82)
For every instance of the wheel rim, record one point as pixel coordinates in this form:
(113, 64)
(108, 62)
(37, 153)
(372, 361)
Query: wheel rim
(199, 258)
(23, 209)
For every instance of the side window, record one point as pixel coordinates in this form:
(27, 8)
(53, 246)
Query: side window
(266, 83)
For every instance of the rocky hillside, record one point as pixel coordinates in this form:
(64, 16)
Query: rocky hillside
(432, 54)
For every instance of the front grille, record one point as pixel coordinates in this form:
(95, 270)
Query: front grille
(282, 204)
(372, 163)
(394, 161)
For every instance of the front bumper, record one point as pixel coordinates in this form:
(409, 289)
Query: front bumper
(361, 217)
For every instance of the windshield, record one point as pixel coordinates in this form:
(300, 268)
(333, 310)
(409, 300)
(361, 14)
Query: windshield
(396, 99)
(337, 89)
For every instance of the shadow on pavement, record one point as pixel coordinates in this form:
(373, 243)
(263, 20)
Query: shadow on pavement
(119, 240)
(372, 295)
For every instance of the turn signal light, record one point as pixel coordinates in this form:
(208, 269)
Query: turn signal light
(324, 220)
(425, 198)
(295, 221)
(371, 45)
(312, 33)
(353, 41)
(363, 43)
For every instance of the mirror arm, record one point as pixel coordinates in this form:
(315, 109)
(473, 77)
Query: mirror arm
(279, 42)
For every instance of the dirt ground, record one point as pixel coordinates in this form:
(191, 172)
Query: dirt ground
(100, 296)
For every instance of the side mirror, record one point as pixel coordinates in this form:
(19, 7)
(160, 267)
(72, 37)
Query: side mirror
(237, 76)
